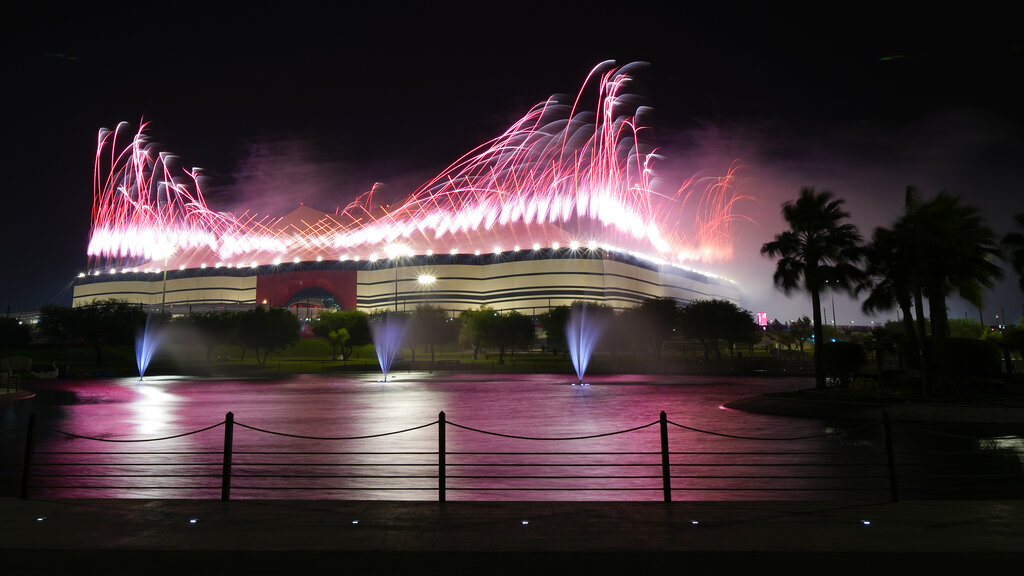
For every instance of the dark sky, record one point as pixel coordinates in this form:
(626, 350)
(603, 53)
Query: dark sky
(317, 101)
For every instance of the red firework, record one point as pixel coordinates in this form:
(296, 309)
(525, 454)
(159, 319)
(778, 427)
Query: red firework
(559, 176)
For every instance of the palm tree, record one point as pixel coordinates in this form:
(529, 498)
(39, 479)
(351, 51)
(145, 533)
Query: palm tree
(818, 248)
(955, 252)
(1013, 242)
(889, 282)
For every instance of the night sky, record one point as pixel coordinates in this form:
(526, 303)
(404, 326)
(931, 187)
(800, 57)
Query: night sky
(316, 103)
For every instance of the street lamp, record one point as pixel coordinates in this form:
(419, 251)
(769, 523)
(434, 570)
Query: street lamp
(832, 295)
(426, 282)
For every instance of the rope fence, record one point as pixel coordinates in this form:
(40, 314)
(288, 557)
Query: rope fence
(813, 465)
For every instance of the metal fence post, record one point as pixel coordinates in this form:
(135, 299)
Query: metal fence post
(440, 458)
(666, 470)
(30, 448)
(229, 435)
(890, 457)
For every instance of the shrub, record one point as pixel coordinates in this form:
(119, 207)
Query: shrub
(962, 360)
(841, 360)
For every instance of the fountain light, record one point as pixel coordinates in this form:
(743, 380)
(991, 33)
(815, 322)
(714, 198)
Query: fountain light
(582, 332)
(146, 343)
(387, 335)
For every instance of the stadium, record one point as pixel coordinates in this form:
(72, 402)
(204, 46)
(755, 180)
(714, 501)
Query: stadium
(560, 208)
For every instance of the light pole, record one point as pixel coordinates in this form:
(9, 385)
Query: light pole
(395, 261)
(832, 295)
(163, 297)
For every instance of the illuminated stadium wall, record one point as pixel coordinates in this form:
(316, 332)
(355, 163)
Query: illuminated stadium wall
(527, 281)
(560, 178)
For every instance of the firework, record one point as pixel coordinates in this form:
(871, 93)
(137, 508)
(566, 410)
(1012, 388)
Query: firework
(561, 175)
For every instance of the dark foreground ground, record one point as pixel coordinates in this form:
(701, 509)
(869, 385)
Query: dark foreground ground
(301, 537)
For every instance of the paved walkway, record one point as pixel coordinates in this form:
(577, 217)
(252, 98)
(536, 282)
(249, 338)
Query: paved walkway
(524, 538)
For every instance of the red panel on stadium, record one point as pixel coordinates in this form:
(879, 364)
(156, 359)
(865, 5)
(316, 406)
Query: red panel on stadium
(276, 289)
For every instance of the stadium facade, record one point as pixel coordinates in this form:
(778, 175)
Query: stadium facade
(529, 281)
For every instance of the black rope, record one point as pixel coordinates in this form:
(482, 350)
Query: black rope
(552, 438)
(825, 435)
(335, 437)
(135, 440)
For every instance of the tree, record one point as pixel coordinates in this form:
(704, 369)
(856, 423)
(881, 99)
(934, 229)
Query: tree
(554, 321)
(881, 341)
(475, 326)
(218, 327)
(504, 330)
(965, 328)
(329, 325)
(959, 254)
(655, 320)
(781, 335)
(951, 249)
(57, 326)
(14, 335)
(267, 331)
(338, 338)
(509, 330)
(1013, 243)
(801, 329)
(107, 322)
(430, 325)
(889, 280)
(819, 247)
(712, 321)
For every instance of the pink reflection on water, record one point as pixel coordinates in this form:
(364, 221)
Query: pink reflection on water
(515, 436)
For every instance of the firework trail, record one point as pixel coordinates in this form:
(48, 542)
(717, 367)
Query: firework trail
(560, 174)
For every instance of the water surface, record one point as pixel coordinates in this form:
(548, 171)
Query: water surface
(516, 436)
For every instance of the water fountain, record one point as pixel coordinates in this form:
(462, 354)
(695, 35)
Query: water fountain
(146, 342)
(582, 332)
(387, 332)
